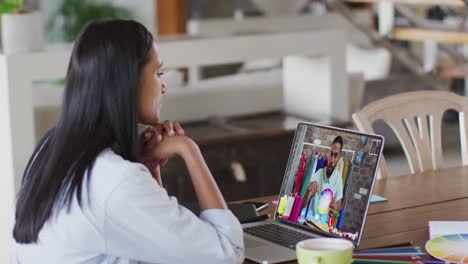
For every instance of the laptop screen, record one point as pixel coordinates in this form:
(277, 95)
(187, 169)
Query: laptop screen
(329, 179)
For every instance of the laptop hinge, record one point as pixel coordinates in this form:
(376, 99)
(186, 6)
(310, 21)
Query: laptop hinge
(304, 228)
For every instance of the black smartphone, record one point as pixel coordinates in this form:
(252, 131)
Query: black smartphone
(259, 206)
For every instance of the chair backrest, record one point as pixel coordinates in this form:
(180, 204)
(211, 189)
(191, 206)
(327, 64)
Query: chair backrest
(416, 120)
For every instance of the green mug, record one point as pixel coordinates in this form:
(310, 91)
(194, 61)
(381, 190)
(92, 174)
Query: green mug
(324, 251)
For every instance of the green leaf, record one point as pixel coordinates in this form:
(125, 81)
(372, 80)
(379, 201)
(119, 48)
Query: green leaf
(74, 14)
(14, 3)
(6, 8)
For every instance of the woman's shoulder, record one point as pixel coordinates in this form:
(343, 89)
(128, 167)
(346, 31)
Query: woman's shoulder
(110, 170)
(108, 160)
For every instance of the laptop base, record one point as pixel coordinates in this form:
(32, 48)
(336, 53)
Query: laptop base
(262, 251)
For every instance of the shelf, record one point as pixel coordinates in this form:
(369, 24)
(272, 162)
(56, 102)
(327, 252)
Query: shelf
(414, 2)
(441, 36)
(454, 71)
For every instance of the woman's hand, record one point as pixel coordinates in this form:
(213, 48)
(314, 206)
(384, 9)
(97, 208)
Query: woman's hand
(173, 146)
(151, 138)
(168, 145)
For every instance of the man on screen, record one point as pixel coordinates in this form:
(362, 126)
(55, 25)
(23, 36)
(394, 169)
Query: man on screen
(330, 176)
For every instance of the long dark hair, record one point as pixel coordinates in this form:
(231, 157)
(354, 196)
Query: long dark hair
(99, 111)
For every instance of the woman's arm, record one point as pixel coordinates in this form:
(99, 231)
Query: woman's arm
(206, 189)
(156, 147)
(141, 214)
(143, 223)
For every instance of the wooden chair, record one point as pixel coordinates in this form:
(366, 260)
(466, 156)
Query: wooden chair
(416, 119)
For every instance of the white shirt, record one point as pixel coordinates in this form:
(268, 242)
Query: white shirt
(129, 218)
(334, 183)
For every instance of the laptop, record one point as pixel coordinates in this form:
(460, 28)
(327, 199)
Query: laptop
(325, 192)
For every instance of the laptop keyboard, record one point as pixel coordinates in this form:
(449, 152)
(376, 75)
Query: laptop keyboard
(277, 234)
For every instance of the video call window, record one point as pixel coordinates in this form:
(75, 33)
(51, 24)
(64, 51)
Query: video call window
(329, 180)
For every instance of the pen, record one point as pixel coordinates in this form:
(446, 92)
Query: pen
(256, 219)
(392, 249)
(381, 261)
(404, 244)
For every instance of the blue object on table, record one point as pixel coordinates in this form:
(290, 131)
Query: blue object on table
(377, 199)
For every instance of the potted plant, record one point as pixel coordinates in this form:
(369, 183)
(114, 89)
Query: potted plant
(21, 30)
(70, 16)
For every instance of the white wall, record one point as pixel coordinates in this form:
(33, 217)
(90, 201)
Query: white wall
(7, 189)
(144, 11)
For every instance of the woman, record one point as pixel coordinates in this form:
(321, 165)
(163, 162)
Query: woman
(85, 196)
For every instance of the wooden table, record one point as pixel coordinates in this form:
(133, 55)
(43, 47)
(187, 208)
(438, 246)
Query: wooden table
(413, 200)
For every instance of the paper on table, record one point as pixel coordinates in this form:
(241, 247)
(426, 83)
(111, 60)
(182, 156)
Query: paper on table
(289, 206)
(440, 228)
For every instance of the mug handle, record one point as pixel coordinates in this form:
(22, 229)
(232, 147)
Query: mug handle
(315, 260)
